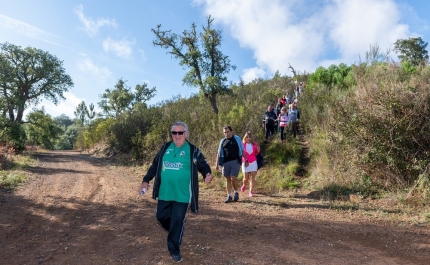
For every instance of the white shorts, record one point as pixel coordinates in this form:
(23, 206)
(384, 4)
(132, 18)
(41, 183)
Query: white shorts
(250, 168)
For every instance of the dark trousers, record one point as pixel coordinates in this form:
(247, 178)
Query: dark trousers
(294, 128)
(282, 133)
(171, 216)
(270, 130)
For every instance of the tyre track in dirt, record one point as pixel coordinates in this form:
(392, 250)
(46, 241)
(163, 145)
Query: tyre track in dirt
(76, 209)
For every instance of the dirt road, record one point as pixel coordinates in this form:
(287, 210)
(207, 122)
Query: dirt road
(82, 210)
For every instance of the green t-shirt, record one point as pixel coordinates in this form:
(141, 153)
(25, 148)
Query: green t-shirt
(176, 174)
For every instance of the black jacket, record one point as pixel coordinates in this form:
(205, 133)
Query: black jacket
(270, 117)
(199, 164)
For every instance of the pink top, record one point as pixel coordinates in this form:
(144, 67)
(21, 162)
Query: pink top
(251, 156)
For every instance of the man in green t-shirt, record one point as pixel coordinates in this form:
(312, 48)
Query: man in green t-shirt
(175, 169)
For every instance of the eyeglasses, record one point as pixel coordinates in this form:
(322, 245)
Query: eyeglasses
(175, 132)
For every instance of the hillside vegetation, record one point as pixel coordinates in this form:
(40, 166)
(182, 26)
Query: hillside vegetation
(366, 127)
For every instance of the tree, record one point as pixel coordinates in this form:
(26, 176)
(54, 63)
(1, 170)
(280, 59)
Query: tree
(42, 130)
(201, 54)
(91, 113)
(412, 50)
(26, 76)
(63, 121)
(334, 75)
(121, 98)
(276, 75)
(375, 55)
(81, 112)
(85, 114)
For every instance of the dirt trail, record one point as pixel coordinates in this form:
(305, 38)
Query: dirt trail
(82, 210)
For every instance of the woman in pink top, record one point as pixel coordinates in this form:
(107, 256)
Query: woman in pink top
(249, 165)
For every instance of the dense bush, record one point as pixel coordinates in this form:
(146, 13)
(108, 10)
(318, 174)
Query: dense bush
(142, 132)
(375, 135)
(367, 128)
(14, 134)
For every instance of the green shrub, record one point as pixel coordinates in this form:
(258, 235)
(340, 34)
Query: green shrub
(9, 181)
(373, 136)
(14, 134)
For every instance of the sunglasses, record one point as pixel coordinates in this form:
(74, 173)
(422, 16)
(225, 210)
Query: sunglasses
(175, 132)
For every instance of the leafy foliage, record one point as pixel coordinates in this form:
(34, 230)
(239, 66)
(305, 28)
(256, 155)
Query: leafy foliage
(28, 75)
(201, 54)
(412, 50)
(373, 136)
(63, 121)
(116, 101)
(42, 130)
(14, 134)
(334, 76)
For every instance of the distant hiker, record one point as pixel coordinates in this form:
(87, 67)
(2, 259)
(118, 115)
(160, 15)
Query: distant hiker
(279, 105)
(176, 167)
(229, 157)
(293, 116)
(249, 165)
(287, 99)
(270, 121)
(283, 123)
(284, 100)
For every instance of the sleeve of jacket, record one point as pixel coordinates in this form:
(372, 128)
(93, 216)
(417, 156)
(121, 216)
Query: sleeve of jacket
(202, 165)
(152, 171)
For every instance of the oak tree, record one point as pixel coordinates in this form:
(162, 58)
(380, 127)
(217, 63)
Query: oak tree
(27, 75)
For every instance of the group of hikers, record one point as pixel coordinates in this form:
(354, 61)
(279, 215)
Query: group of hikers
(178, 162)
(284, 117)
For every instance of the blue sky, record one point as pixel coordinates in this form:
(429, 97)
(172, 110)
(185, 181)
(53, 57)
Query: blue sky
(100, 42)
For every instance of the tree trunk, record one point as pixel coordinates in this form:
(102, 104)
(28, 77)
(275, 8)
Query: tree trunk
(11, 114)
(213, 103)
(19, 114)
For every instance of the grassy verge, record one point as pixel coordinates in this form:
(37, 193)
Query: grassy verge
(13, 171)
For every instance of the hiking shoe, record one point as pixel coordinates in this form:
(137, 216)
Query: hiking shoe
(243, 188)
(236, 196)
(177, 258)
(251, 194)
(229, 199)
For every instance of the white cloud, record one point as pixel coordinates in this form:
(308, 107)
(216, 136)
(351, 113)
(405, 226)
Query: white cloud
(308, 33)
(27, 30)
(92, 26)
(355, 25)
(66, 107)
(87, 66)
(250, 74)
(122, 48)
(142, 54)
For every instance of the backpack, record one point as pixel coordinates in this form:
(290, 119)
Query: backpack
(260, 161)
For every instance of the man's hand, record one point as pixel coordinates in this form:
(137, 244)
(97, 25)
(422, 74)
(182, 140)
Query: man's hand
(208, 178)
(142, 186)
